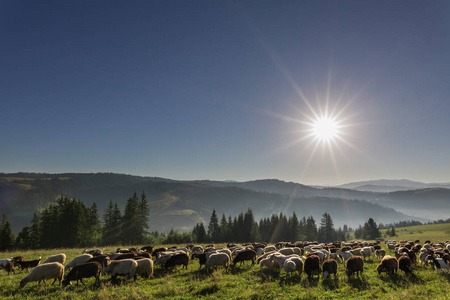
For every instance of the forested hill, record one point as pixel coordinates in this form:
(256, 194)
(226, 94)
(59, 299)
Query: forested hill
(176, 204)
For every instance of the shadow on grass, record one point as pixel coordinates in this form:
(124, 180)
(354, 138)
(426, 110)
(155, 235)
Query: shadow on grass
(308, 282)
(359, 283)
(289, 279)
(208, 290)
(331, 284)
(401, 279)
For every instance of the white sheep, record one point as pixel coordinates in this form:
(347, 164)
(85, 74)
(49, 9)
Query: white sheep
(259, 251)
(53, 270)
(121, 267)
(269, 264)
(92, 252)
(196, 249)
(81, 259)
(289, 266)
(280, 259)
(270, 249)
(60, 258)
(286, 251)
(145, 267)
(217, 259)
(366, 252)
(345, 255)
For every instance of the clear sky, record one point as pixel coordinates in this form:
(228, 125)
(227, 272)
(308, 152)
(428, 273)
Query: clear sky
(226, 90)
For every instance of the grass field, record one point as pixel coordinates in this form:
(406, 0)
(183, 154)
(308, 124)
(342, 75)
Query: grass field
(243, 282)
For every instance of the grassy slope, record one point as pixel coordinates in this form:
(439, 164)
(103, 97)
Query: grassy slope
(434, 232)
(246, 281)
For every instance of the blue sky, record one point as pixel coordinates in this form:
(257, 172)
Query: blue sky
(225, 89)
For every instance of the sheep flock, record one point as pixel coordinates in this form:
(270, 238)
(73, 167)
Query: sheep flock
(312, 260)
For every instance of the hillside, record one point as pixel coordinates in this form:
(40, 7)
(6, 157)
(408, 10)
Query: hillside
(180, 205)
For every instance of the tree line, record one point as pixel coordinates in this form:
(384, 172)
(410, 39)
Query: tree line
(70, 223)
(278, 227)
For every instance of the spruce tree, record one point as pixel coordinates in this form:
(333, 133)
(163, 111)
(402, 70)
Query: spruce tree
(35, 232)
(213, 227)
(23, 240)
(6, 236)
(311, 229)
(130, 225)
(326, 230)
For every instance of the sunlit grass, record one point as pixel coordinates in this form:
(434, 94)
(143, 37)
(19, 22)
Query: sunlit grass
(240, 282)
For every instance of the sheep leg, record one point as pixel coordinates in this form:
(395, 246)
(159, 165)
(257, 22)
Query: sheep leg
(81, 279)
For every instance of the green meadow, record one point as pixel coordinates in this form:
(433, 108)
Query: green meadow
(244, 282)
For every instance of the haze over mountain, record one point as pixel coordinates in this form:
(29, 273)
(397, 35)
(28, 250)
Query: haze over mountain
(391, 185)
(182, 204)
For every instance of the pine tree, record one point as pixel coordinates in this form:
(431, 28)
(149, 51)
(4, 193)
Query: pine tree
(23, 240)
(130, 226)
(294, 228)
(223, 229)
(200, 233)
(35, 232)
(94, 226)
(311, 229)
(326, 230)
(213, 227)
(6, 236)
(143, 215)
(370, 230)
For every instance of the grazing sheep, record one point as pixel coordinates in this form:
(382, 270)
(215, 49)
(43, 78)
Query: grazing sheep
(217, 259)
(404, 264)
(289, 266)
(53, 270)
(147, 249)
(355, 264)
(81, 259)
(145, 267)
(270, 249)
(344, 254)
(177, 259)
(100, 259)
(329, 267)
(201, 258)
(312, 265)
(120, 256)
(439, 264)
(388, 264)
(298, 264)
(336, 257)
(94, 252)
(122, 268)
(269, 264)
(28, 264)
(86, 270)
(265, 255)
(287, 251)
(7, 264)
(60, 258)
(380, 253)
(245, 255)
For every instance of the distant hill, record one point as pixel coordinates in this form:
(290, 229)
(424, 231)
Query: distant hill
(181, 204)
(402, 184)
(389, 185)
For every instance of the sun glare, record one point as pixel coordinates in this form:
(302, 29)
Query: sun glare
(325, 129)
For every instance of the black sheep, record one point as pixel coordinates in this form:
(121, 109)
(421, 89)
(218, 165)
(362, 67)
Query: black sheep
(245, 255)
(312, 265)
(201, 258)
(404, 264)
(28, 264)
(177, 259)
(86, 270)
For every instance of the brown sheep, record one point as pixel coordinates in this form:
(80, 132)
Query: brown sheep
(389, 265)
(329, 267)
(355, 264)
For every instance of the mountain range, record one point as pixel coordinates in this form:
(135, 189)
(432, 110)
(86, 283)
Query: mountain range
(182, 204)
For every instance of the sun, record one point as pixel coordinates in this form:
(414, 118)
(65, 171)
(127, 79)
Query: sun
(325, 129)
